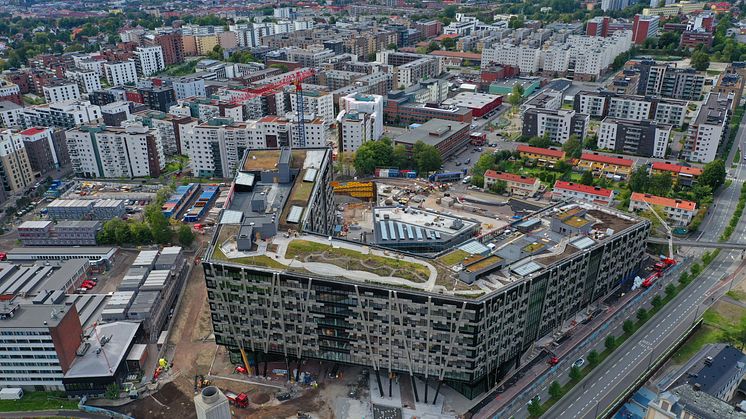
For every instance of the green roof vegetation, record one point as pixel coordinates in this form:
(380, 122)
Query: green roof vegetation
(260, 260)
(308, 251)
(453, 258)
(301, 191)
(533, 247)
(576, 222)
(484, 263)
(261, 160)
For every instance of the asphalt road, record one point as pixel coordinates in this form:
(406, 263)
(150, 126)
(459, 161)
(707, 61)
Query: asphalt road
(625, 365)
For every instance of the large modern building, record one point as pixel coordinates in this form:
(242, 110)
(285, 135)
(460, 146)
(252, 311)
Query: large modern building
(101, 151)
(46, 148)
(642, 138)
(709, 129)
(667, 81)
(149, 60)
(120, 73)
(61, 91)
(62, 114)
(390, 311)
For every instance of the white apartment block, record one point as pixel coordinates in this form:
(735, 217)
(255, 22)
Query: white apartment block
(217, 150)
(115, 152)
(632, 107)
(60, 92)
(121, 73)
(302, 24)
(708, 129)
(63, 114)
(15, 167)
(556, 59)
(88, 80)
(283, 131)
(315, 102)
(527, 58)
(11, 114)
(283, 12)
(355, 128)
(149, 60)
(557, 124)
(312, 57)
(92, 64)
(8, 89)
(188, 87)
(369, 104)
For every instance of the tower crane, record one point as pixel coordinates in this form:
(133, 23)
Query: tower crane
(666, 262)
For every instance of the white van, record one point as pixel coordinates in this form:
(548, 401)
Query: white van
(466, 180)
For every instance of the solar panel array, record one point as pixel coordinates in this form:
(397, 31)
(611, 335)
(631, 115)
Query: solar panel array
(392, 231)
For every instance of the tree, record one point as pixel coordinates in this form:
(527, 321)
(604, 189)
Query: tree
(639, 180)
(700, 60)
(515, 22)
(159, 226)
(660, 184)
(500, 186)
(610, 343)
(642, 315)
(477, 180)
(575, 373)
(587, 178)
(392, 46)
(141, 233)
(555, 390)
(542, 142)
(534, 408)
(713, 174)
(593, 358)
(591, 142)
(186, 235)
(573, 147)
(400, 157)
(628, 326)
(516, 95)
(657, 302)
(448, 43)
(283, 68)
(426, 157)
(216, 53)
(670, 291)
(450, 11)
(372, 154)
(433, 46)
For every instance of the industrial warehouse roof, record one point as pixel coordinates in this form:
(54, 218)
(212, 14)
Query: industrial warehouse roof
(432, 132)
(472, 100)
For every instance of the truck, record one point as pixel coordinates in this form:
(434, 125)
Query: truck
(11, 393)
(658, 270)
(238, 400)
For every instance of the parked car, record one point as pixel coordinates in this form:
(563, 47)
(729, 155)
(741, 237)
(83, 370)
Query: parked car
(553, 360)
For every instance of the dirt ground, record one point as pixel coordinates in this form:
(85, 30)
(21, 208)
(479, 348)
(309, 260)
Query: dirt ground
(169, 402)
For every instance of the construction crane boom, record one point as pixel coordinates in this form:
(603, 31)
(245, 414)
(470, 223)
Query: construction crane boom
(250, 93)
(300, 113)
(668, 230)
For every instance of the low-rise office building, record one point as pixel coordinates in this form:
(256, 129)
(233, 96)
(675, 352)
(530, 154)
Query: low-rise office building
(446, 136)
(82, 209)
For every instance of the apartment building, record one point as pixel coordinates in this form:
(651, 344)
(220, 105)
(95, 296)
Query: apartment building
(185, 87)
(216, 150)
(159, 98)
(315, 102)
(679, 212)
(569, 191)
(63, 233)
(682, 175)
(371, 105)
(63, 114)
(120, 73)
(526, 58)
(611, 5)
(11, 92)
(46, 148)
(355, 128)
(514, 184)
(170, 128)
(149, 60)
(310, 57)
(730, 83)
(61, 91)
(557, 124)
(347, 312)
(603, 165)
(412, 72)
(637, 108)
(709, 129)
(171, 45)
(644, 27)
(115, 152)
(88, 81)
(15, 168)
(541, 155)
(38, 344)
(667, 81)
(11, 114)
(642, 138)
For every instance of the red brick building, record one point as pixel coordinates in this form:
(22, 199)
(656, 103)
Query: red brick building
(173, 47)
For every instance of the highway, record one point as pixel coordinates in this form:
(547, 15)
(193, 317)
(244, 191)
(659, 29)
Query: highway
(698, 243)
(625, 365)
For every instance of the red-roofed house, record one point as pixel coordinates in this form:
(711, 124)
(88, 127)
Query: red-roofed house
(576, 191)
(541, 155)
(684, 175)
(516, 184)
(677, 210)
(603, 165)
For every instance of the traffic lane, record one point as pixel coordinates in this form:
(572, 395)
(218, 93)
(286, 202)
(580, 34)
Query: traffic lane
(577, 404)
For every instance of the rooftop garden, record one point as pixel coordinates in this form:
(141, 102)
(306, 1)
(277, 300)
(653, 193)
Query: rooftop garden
(259, 260)
(453, 258)
(309, 251)
(533, 247)
(261, 160)
(301, 191)
(484, 263)
(576, 222)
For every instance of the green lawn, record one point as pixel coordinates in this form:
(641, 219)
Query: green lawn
(736, 295)
(704, 335)
(39, 400)
(453, 258)
(262, 260)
